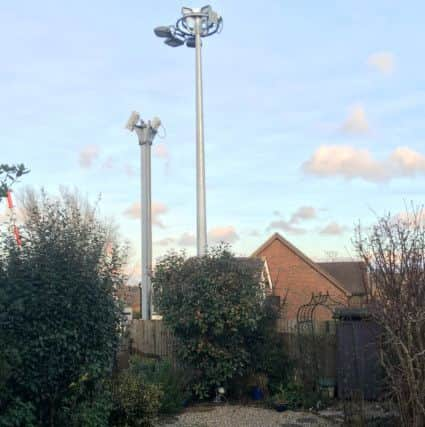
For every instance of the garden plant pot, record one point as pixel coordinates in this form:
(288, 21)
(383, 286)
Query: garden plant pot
(327, 387)
(280, 407)
(257, 393)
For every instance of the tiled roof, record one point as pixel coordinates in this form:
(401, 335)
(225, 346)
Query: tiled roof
(350, 274)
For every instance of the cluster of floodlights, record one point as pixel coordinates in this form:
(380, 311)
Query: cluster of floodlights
(135, 121)
(203, 20)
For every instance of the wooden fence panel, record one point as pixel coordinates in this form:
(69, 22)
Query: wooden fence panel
(322, 352)
(151, 338)
(314, 355)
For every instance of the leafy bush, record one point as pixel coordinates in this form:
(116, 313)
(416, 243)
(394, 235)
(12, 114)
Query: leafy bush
(212, 304)
(57, 306)
(295, 396)
(88, 404)
(135, 403)
(92, 413)
(268, 353)
(280, 397)
(172, 380)
(268, 356)
(9, 175)
(17, 413)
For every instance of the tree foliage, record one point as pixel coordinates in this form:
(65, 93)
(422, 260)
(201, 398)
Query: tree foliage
(394, 252)
(172, 380)
(9, 174)
(213, 305)
(136, 400)
(58, 315)
(267, 348)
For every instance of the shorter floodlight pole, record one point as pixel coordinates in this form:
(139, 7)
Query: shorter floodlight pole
(145, 141)
(146, 133)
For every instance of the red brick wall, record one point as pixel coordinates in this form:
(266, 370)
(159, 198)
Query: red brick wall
(130, 295)
(293, 276)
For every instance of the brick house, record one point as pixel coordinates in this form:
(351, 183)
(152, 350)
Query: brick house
(295, 277)
(130, 296)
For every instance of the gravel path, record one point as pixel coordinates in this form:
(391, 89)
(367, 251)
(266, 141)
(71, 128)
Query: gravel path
(243, 416)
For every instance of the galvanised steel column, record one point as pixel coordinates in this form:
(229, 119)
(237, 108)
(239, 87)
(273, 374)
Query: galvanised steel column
(149, 228)
(145, 141)
(201, 217)
(189, 29)
(145, 134)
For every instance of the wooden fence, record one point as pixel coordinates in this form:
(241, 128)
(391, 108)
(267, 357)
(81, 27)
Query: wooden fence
(322, 327)
(318, 357)
(314, 356)
(151, 338)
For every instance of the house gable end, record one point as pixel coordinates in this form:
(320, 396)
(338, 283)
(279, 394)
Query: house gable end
(285, 245)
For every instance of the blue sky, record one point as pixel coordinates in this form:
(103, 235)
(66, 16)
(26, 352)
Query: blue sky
(313, 114)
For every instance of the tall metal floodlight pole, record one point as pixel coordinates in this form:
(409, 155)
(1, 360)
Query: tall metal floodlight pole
(146, 132)
(189, 29)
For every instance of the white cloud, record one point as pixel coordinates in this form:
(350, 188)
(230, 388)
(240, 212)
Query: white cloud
(285, 226)
(161, 150)
(349, 162)
(223, 234)
(408, 162)
(303, 213)
(215, 235)
(415, 215)
(356, 123)
(186, 239)
(333, 229)
(108, 163)
(383, 62)
(133, 211)
(345, 161)
(88, 155)
(158, 209)
(165, 242)
(129, 170)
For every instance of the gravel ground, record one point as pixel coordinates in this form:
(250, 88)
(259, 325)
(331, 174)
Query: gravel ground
(243, 416)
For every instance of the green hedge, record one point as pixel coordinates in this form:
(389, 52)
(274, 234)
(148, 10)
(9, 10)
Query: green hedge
(59, 320)
(213, 304)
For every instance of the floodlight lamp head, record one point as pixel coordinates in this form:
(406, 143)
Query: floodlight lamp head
(187, 11)
(132, 121)
(156, 123)
(214, 17)
(191, 42)
(206, 9)
(163, 31)
(174, 41)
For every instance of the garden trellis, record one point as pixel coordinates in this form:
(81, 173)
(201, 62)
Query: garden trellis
(316, 347)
